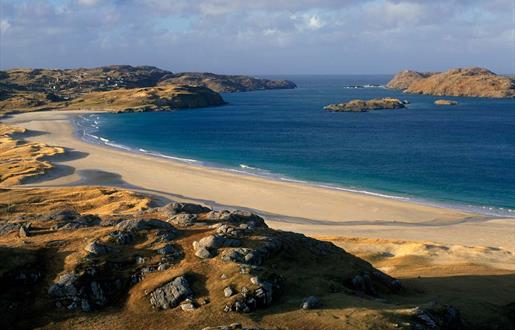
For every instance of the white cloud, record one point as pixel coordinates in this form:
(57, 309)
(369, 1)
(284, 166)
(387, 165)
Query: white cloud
(4, 25)
(88, 3)
(314, 22)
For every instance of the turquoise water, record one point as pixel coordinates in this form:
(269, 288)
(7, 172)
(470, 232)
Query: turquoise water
(462, 155)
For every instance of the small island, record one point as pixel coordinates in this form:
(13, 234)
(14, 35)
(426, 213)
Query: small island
(470, 82)
(387, 103)
(446, 102)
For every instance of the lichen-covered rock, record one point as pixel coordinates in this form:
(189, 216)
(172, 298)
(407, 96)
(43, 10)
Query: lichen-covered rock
(247, 217)
(142, 224)
(96, 248)
(171, 294)
(437, 316)
(121, 237)
(183, 219)
(218, 215)
(81, 221)
(171, 209)
(64, 287)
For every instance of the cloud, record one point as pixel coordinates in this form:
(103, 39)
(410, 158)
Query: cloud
(259, 36)
(4, 25)
(88, 2)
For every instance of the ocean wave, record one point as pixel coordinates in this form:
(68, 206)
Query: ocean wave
(115, 145)
(104, 140)
(248, 167)
(157, 154)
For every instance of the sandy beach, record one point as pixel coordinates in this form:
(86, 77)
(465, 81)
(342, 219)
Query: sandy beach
(286, 205)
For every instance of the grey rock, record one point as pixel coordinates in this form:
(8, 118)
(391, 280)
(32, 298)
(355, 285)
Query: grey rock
(140, 260)
(183, 219)
(24, 231)
(218, 215)
(122, 237)
(97, 293)
(163, 267)
(81, 221)
(64, 287)
(211, 242)
(188, 307)
(63, 216)
(247, 217)
(167, 249)
(172, 209)
(141, 224)
(85, 306)
(7, 228)
(203, 253)
(171, 294)
(96, 248)
(228, 292)
(310, 302)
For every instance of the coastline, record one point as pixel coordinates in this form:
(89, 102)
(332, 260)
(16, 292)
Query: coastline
(286, 205)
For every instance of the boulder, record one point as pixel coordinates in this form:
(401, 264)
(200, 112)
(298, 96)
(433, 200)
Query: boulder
(172, 209)
(24, 231)
(64, 287)
(183, 219)
(167, 249)
(121, 237)
(203, 253)
(239, 216)
(228, 292)
(218, 215)
(310, 302)
(86, 220)
(142, 224)
(171, 294)
(96, 248)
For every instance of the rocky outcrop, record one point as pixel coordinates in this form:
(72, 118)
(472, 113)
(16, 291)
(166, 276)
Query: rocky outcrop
(446, 102)
(366, 105)
(171, 294)
(472, 82)
(404, 79)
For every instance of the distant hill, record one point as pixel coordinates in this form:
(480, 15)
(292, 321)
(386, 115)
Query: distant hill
(38, 89)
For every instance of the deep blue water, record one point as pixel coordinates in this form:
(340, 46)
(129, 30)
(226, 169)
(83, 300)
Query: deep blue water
(462, 155)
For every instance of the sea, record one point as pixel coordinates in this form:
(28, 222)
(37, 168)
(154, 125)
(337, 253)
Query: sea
(461, 156)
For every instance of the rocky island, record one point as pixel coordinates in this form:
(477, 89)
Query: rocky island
(120, 88)
(366, 105)
(472, 82)
(445, 102)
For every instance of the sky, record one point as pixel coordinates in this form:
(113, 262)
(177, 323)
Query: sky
(260, 36)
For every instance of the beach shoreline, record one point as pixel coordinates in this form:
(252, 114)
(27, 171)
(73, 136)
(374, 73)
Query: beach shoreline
(286, 205)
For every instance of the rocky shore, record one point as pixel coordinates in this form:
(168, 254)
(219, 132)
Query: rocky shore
(367, 105)
(471, 82)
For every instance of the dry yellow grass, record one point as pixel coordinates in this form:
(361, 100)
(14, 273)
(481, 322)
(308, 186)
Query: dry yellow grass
(20, 160)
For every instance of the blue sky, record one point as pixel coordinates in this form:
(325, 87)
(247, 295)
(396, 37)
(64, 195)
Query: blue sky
(260, 36)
